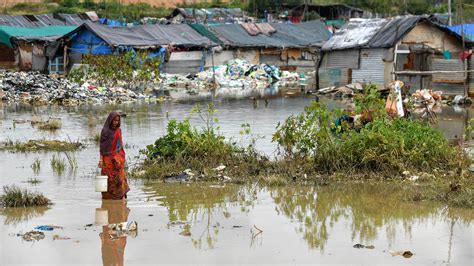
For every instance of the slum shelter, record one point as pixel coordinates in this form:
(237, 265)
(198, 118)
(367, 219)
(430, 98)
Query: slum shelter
(34, 49)
(422, 54)
(207, 15)
(293, 47)
(184, 46)
(297, 12)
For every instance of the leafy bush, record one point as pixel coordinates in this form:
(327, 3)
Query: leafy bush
(379, 145)
(15, 197)
(127, 69)
(183, 140)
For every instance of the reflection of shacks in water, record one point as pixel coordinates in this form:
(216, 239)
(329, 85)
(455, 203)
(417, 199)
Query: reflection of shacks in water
(113, 246)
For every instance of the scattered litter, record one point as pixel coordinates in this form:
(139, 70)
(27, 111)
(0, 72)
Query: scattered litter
(150, 215)
(236, 78)
(363, 246)
(39, 89)
(237, 226)
(58, 237)
(217, 186)
(220, 168)
(407, 254)
(47, 227)
(125, 226)
(88, 225)
(185, 233)
(185, 176)
(32, 236)
(177, 223)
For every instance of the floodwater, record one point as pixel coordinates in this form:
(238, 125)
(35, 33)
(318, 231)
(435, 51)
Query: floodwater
(214, 223)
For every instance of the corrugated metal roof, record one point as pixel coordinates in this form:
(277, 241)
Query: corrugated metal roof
(144, 36)
(43, 20)
(372, 33)
(288, 35)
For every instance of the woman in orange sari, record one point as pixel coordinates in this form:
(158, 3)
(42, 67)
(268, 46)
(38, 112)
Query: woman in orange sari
(112, 158)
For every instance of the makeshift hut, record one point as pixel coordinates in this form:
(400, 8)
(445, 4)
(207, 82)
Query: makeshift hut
(206, 15)
(408, 48)
(297, 12)
(185, 47)
(293, 47)
(34, 49)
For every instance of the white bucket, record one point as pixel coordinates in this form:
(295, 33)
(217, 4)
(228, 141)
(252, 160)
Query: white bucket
(100, 183)
(101, 217)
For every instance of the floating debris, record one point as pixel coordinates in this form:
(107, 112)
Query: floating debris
(363, 246)
(58, 237)
(407, 254)
(32, 236)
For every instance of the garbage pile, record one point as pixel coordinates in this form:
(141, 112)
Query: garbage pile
(39, 89)
(233, 78)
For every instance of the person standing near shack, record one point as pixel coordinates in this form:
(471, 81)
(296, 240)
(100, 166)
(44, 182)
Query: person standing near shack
(112, 158)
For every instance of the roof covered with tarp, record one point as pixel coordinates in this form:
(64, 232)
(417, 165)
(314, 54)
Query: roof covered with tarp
(207, 13)
(371, 33)
(43, 20)
(47, 34)
(287, 35)
(466, 29)
(377, 33)
(99, 39)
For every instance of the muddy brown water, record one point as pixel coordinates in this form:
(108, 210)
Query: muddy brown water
(215, 223)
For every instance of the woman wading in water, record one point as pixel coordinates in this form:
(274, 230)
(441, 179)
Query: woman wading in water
(112, 158)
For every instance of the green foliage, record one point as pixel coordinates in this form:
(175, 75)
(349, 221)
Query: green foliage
(306, 133)
(127, 69)
(15, 197)
(379, 145)
(370, 103)
(183, 140)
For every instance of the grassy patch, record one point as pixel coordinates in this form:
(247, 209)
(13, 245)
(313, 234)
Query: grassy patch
(202, 150)
(15, 197)
(50, 124)
(41, 145)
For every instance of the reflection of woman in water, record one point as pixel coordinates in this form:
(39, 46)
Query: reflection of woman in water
(112, 158)
(113, 244)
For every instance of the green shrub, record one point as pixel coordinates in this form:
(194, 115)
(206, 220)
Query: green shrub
(379, 145)
(183, 140)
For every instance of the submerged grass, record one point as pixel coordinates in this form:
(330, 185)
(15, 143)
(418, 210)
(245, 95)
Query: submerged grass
(13, 196)
(36, 166)
(58, 165)
(41, 145)
(33, 181)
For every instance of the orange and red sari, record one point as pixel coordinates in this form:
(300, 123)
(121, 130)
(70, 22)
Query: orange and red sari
(113, 166)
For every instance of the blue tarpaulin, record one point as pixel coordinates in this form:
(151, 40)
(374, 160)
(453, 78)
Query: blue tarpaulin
(86, 42)
(468, 30)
